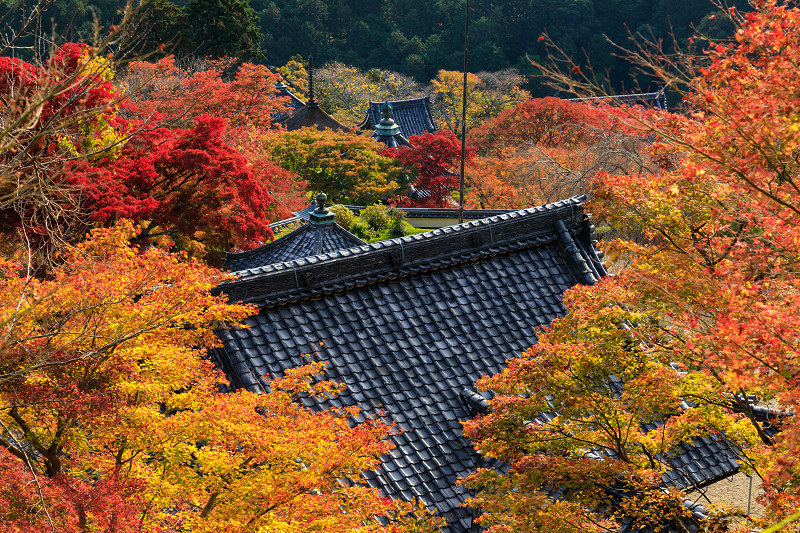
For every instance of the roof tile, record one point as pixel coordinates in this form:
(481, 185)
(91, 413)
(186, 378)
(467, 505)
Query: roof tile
(410, 336)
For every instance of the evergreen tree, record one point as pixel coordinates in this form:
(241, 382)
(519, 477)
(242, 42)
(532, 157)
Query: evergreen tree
(218, 28)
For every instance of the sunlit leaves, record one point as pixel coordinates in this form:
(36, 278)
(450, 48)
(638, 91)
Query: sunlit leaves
(112, 414)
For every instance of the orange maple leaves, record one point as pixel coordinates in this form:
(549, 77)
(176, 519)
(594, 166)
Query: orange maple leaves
(112, 414)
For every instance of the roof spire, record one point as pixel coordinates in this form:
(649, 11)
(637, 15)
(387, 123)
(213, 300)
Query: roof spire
(387, 125)
(321, 215)
(311, 80)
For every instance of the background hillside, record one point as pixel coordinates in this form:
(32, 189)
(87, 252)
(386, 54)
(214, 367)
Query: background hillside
(413, 37)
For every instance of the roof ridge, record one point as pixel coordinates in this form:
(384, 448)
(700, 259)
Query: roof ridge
(266, 246)
(440, 212)
(575, 201)
(403, 256)
(404, 100)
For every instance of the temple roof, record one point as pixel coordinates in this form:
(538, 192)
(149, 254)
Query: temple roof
(409, 324)
(657, 99)
(320, 235)
(414, 116)
(294, 103)
(305, 241)
(312, 116)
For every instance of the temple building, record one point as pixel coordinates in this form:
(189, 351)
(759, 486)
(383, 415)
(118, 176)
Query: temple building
(412, 117)
(310, 114)
(408, 325)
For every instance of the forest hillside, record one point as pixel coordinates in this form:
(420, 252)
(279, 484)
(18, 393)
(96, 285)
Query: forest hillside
(411, 37)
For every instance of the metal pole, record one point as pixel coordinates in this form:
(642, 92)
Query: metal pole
(463, 122)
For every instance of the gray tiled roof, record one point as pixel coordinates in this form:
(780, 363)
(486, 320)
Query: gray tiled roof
(307, 240)
(706, 460)
(414, 116)
(409, 324)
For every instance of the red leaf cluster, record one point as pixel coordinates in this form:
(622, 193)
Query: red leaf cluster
(186, 180)
(435, 159)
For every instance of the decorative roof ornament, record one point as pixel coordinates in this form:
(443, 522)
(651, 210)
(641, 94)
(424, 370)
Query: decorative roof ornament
(312, 102)
(387, 125)
(322, 215)
(414, 116)
(280, 86)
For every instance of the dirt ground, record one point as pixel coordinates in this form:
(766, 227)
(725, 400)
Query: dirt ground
(732, 491)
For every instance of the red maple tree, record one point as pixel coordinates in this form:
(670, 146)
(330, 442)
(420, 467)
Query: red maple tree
(433, 159)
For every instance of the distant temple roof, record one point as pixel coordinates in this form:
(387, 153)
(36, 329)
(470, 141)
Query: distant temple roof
(321, 235)
(414, 116)
(657, 99)
(311, 115)
(387, 131)
(294, 102)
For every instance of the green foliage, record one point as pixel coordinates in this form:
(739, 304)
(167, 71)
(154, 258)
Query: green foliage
(157, 27)
(346, 166)
(407, 36)
(219, 28)
(376, 223)
(344, 217)
(376, 216)
(362, 230)
(397, 228)
(419, 38)
(207, 28)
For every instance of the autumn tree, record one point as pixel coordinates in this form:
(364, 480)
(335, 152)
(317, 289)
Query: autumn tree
(295, 76)
(713, 289)
(64, 110)
(345, 91)
(347, 167)
(187, 185)
(247, 103)
(248, 98)
(545, 149)
(433, 160)
(547, 122)
(487, 95)
(588, 422)
(112, 417)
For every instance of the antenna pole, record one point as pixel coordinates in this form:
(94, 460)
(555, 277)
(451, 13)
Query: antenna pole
(463, 122)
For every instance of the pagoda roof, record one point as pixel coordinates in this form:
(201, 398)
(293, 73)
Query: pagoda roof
(311, 115)
(307, 240)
